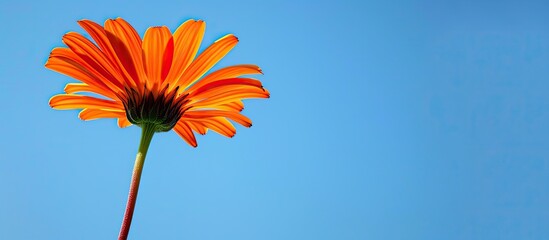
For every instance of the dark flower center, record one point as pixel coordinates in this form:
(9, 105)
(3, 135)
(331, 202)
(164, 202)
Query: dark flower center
(160, 109)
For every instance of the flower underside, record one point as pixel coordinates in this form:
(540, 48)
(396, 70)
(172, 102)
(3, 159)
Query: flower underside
(162, 109)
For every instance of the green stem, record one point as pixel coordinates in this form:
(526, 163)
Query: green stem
(146, 137)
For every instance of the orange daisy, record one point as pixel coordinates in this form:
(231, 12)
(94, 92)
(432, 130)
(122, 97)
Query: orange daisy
(156, 80)
(156, 83)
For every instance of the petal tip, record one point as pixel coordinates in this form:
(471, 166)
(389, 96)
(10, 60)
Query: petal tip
(51, 103)
(229, 36)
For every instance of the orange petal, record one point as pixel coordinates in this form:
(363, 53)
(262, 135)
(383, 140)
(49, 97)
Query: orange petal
(229, 94)
(226, 84)
(220, 125)
(187, 39)
(99, 35)
(62, 60)
(123, 122)
(73, 101)
(237, 105)
(78, 87)
(198, 127)
(184, 131)
(154, 45)
(127, 45)
(225, 73)
(93, 57)
(235, 116)
(206, 60)
(91, 114)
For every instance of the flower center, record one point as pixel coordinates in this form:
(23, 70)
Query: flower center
(160, 108)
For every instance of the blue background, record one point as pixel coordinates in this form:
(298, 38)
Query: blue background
(388, 120)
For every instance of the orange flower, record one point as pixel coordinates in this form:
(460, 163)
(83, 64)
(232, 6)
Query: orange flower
(155, 80)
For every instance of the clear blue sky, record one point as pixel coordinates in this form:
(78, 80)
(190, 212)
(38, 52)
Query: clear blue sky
(388, 120)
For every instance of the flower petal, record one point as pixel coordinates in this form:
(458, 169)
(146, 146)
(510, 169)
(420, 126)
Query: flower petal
(220, 125)
(127, 45)
(198, 127)
(100, 36)
(97, 32)
(206, 60)
(93, 113)
(184, 131)
(155, 43)
(187, 39)
(93, 57)
(237, 105)
(73, 101)
(123, 122)
(225, 73)
(224, 83)
(77, 87)
(227, 95)
(64, 61)
(235, 116)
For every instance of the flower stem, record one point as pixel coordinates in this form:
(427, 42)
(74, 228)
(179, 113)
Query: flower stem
(146, 137)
